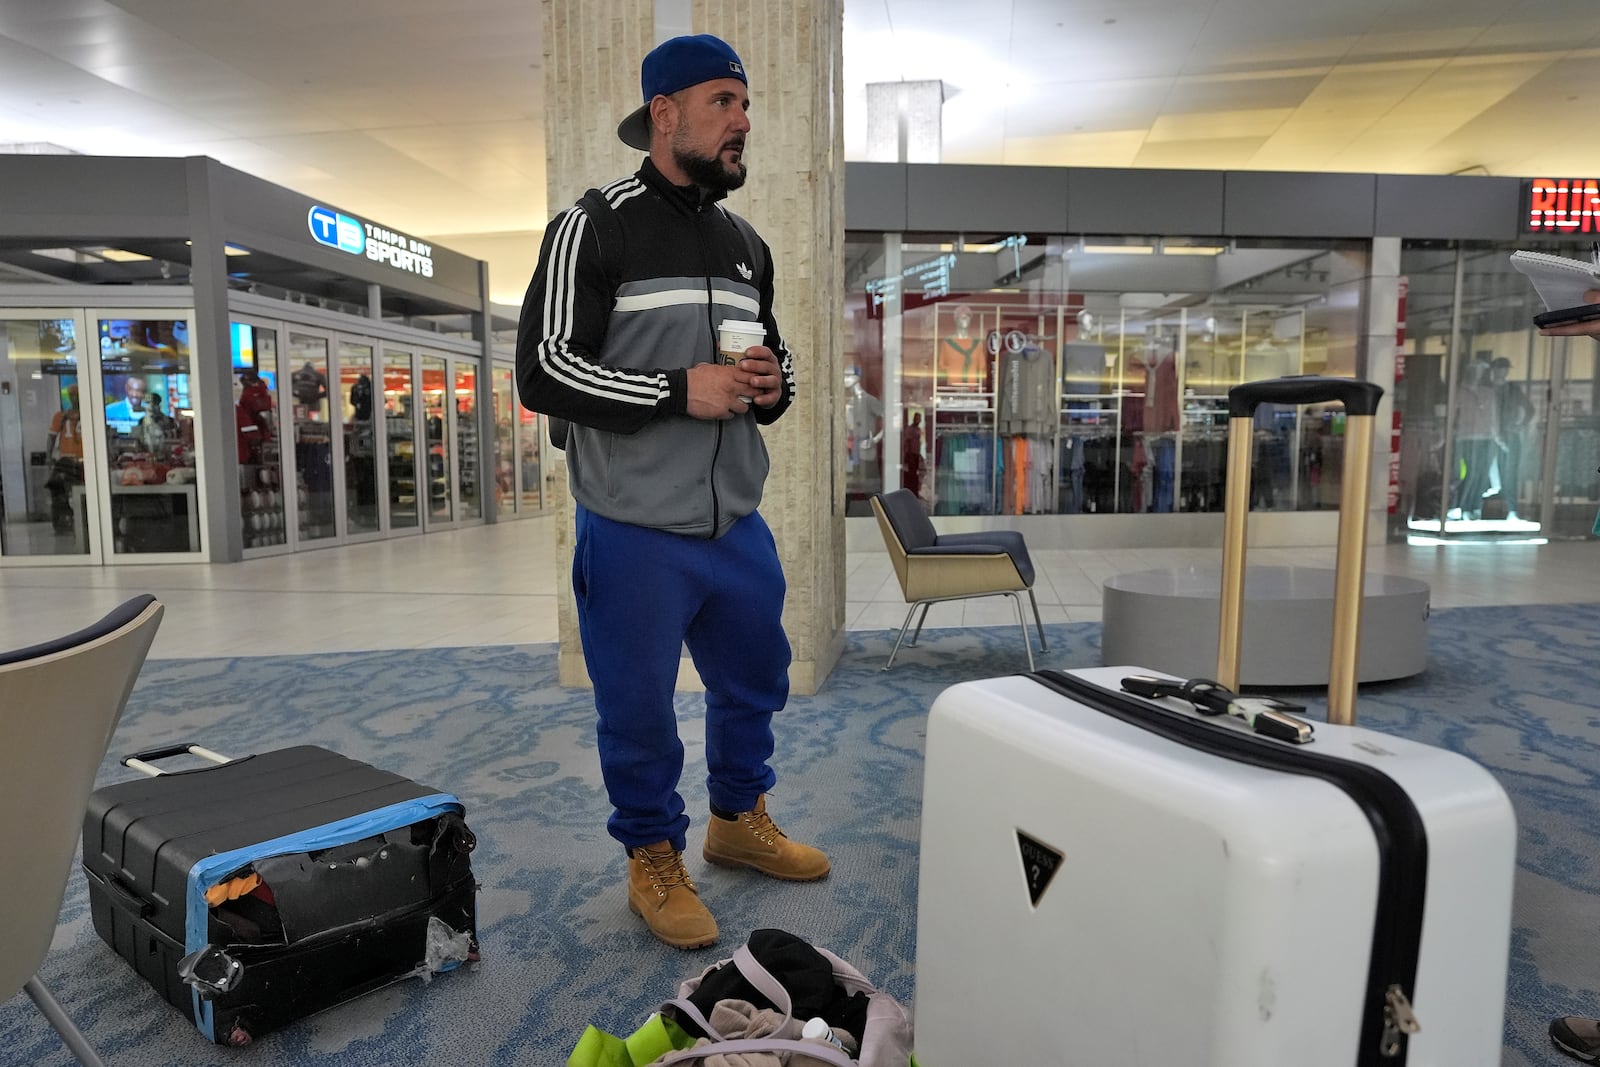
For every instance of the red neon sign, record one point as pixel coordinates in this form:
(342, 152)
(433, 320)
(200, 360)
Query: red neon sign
(1563, 205)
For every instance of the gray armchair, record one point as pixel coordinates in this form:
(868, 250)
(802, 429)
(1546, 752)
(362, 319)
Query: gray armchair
(59, 703)
(932, 567)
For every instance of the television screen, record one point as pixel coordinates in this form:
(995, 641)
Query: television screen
(244, 345)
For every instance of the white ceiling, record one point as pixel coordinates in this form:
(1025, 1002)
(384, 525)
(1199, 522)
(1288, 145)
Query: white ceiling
(428, 115)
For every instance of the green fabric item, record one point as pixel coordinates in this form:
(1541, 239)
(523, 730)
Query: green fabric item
(650, 1042)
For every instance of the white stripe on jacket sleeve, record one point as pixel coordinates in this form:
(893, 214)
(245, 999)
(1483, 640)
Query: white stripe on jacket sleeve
(556, 355)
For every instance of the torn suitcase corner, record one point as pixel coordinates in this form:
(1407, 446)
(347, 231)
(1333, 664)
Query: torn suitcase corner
(210, 971)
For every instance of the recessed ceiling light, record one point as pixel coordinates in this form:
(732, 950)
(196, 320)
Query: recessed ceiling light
(121, 255)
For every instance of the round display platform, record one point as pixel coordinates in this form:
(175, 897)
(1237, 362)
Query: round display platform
(1166, 619)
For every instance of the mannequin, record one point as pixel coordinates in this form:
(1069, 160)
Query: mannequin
(1477, 438)
(863, 419)
(1515, 413)
(961, 356)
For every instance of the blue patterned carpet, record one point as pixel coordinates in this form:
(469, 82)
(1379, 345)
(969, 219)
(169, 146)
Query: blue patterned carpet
(1514, 688)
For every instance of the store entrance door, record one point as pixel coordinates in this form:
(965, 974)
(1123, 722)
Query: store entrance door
(436, 393)
(360, 439)
(316, 512)
(469, 450)
(1569, 483)
(49, 485)
(264, 505)
(403, 464)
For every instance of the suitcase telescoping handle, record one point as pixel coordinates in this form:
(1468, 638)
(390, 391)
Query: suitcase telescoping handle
(141, 761)
(1360, 400)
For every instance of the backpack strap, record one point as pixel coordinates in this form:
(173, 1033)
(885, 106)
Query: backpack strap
(752, 240)
(608, 231)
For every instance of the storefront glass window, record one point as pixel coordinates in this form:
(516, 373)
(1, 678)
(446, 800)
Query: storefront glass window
(1010, 374)
(400, 426)
(43, 503)
(360, 438)
(1510, 427)
(262, 507)
(313, 437)
(467, 459)
(150, 444)
(435, 397)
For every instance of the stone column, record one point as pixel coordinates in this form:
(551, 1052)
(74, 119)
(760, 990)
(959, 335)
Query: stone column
(591, 80)
(792, 51)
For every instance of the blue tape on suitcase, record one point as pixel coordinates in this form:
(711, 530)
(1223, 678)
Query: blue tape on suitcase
(327, 879)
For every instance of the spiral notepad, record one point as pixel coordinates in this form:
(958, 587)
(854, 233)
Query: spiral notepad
(1559, 281)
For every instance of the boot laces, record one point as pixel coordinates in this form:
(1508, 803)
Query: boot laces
(665, 869)
(761, 824)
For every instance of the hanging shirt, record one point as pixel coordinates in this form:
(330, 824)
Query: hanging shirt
(1161, 391)
(1027, 393)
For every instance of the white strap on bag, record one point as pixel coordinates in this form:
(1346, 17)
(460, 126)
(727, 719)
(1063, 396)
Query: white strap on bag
(759, 977)
(816, 1050)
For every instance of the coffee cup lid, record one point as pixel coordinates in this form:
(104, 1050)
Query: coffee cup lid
(742, 326)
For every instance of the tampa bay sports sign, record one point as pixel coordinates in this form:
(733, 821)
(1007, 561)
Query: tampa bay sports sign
(361, 238)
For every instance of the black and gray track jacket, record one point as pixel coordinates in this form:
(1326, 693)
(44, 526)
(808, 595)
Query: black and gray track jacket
(611, 354)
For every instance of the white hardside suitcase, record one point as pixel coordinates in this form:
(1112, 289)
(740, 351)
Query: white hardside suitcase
(1108, 880)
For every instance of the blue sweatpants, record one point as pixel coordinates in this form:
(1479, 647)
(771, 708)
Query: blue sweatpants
(643, 594)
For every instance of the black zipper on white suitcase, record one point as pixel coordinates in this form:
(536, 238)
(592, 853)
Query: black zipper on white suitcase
(1396, 824)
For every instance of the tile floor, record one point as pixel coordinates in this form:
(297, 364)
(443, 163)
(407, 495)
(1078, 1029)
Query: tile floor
(497, 584)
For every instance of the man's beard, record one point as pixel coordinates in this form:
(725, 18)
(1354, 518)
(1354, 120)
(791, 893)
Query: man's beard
(709, 173)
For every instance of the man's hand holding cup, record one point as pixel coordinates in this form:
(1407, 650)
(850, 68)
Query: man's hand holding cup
(740, 344)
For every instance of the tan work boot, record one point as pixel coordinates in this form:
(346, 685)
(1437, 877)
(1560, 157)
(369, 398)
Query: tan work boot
(752, 840)
(660, 893)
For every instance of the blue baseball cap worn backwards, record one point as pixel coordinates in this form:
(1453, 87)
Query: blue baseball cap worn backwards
(677, 64)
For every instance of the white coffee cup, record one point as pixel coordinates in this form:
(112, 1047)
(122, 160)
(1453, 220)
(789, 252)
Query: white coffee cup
(736, 335)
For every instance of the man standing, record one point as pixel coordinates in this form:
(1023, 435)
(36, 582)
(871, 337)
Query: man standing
(666, 465)
(1578, 1035)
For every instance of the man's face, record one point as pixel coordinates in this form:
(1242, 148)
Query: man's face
(133, 389)
(708, 142)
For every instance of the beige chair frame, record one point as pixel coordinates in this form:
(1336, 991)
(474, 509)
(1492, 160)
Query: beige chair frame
(926, 580)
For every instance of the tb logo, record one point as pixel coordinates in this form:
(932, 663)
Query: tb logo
(336, 231)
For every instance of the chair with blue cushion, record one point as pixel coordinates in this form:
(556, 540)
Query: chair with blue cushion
(934, 567)
(59, 703)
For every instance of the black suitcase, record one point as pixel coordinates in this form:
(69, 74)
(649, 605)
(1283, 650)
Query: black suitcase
(327, 879)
